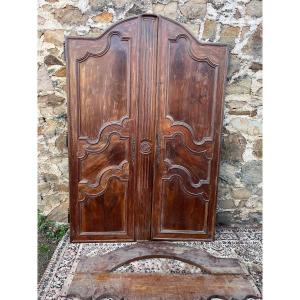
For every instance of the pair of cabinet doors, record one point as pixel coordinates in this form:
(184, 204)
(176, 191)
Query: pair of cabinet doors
(145, 117)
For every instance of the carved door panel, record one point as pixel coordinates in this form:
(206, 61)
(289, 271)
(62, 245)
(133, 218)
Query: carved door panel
(190, 106)
(102, 133)
(145, 116)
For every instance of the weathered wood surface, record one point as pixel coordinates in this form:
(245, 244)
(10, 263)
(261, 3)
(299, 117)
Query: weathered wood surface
(227, 278)
(197, 257)
(136, 286)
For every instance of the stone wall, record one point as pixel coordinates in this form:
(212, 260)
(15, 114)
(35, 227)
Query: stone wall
(235, 22)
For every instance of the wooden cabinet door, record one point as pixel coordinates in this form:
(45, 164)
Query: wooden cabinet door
(190, 107)
(102, 133)
(145, 118)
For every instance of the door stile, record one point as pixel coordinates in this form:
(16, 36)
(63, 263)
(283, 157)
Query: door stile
(147, 41)
(160, 85)
(157, 148)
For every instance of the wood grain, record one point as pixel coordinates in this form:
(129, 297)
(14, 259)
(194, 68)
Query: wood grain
(143, 250)
(146, 125)
(158, 286)
(102, 93)
(224, 278)
(145, 105)
(190, 105)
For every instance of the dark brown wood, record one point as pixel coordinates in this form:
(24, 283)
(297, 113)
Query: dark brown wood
(146, 125)
(102, 80)
(190, 105)
(227, 278)
(145, 118)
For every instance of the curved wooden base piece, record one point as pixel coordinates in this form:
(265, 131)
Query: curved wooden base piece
(223, 278)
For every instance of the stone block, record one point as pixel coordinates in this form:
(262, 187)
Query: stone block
(60, 72)
(55, 37)
(240, 193)
(194, 9)
(239, 86)
(210, 29)
(254, 8)
(217, 3)
(251, 172)
(44, 81)
(228, 173)
(233, 147)
(120, 3)
(169, 10)
(139, 8)
(228, 35)
(226, 204)
(257, 148)
(60, 213)
(51, 60)
(254, 44)
(61, 142)
(104, 17)
(247, 126)
(70, 15)
(255, 66)
(97, 4)
(51, 100)
(234, 65)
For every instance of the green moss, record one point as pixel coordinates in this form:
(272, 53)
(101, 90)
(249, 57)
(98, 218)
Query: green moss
(44, 249)
(50, 229)
(49, 234)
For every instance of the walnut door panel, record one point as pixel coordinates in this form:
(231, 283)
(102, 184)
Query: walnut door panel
(190, 97)
(145, 118)
(102, 133)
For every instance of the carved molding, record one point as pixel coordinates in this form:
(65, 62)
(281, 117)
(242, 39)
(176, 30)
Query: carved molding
(145, 147)
(135, 48)
(190, 145)
(113, 125)
(87, 149)
(101, 173)
(215, 66)
(195, 193)
(177, 124)
(183, 171)
(201, 196)
(106, 48)
(90, 197)
(87, 188)
(206, 59)
(100, 54)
